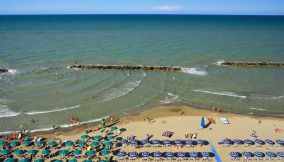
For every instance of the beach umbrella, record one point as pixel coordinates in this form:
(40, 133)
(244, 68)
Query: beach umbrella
(81, 143)
(110, 137)
(193, 154)
(155, 142)
(45, 152)
(39, 160)
(18, 152)
(169, 154)
(107, 143)
(2, 143)
(189, 142)
(57, 160)
(77, 152)
(180, 154)
(103, 123)
(63, 152)
(95, 144)
(51, 143)
(85, 136)
(270, 142)
(91, 153)
(121, 153)
(144, 142)
(103, 161)
(202, 122)
(271, 154)
(259, 141)
(235, 154)
(280, 142)
(144, 154)
(124, 141)
(205, 154)
(113, 128)
(178, 142)
(248, 154)
(40, 143)
(72, 160)
(98, 137)
(166, 142)
(238, 141)
(14, 143)
(132, 154)
(280, 154)
(5, 152)
(10, 160)
(157, 154)
(27, 143)
(104, 152)
(133, 142)
(69, 143)
(32, 152)
(259, 154)
(24, 160)
(87, 160)
(249, 142)
(200, 142)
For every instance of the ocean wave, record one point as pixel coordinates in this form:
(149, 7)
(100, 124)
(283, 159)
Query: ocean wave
(230, 94)
(170, 98)
(268, 97)
(52, 111)
(254, 108)
(122, 90)
(6, 112)
(194, 71)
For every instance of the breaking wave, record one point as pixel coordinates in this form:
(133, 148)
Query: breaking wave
(122, 89)
(6, 112)
(51, 111)
(254, 108)
(230, 94)
(194, 71)
(219, 62)
(268, 97)
(170, 98)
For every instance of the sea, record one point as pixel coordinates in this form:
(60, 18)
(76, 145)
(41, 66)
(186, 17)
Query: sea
(37, 50)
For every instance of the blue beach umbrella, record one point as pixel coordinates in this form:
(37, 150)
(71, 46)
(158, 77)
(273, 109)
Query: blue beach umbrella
(91, 153)
(103, 161)
(27, 143)
(98, 137)
(271, 154)
(178, 142)
(18, 152)
(144, 154)
(259, 154)
(85, 136)
(189, 142)
(249, 142)
(238, 141)
(77, 152)
(63, 152)
(113, 128)
(144, 142)
(14, 143)
(81, 143)
(133, 142)
(104, 152)
(87, 160)
(157, 154)
(280, 154)
(72, 160)
(166, 142)
(259, 141)
(51, 143)
(202, 122)
(193, 154)
(169, 154)
(124, 141)
(247, 154)
(200, 142)
(45, 152)
(57, 160)
(235, 154)
(280, 142)
(5, 152)
(270, 142)
(39, 160)
(180, 154)
(32, 152)
(69, 143)
(132, 154)
(121, 153)
(155, 142)
(24, 160)
(10, 160)
(205, 154)
(95, 144)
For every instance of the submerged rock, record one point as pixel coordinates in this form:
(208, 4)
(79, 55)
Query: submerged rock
(252, 64)
(3, 70)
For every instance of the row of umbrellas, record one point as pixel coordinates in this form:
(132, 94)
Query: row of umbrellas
(42, 160)
(256, 154)
(164, 142)
(251, 142)
(165, 154)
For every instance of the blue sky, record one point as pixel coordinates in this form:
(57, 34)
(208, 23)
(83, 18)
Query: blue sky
(243, 7)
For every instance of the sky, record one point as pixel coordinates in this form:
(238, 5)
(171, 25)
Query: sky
(231, 7)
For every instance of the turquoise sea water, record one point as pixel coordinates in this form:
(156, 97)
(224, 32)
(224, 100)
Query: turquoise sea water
(38, 49)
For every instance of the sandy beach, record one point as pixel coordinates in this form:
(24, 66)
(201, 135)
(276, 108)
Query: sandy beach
(183, 120)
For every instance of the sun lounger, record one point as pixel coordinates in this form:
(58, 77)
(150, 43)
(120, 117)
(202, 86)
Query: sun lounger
(224, 120)
(168, 134)
(211, 120)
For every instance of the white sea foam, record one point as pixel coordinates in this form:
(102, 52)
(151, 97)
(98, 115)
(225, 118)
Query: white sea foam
(254, 108)
(170, 98)
(52, 111)
(122, 89)
(266, 97)
(6, 112)
(230, 94)
(12, 71)
(219, 62)
(194, 71)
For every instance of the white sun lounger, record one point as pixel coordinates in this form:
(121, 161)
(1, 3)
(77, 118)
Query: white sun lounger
(224, 120)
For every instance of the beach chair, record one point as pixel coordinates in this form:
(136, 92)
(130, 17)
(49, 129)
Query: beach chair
(168, 134)
(211, 120)
(224, 120)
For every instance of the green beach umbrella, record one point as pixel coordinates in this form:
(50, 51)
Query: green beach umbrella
(51, 143)
(110, 137)
(69, 143)
(77, 152)
(108, 143)
(18, 152)
(85, 136)
(113, 128)
(27, 143)
(82, 143)
(57, 160)
(72, 160)
(14, 143)
(104, 152)
(5, 152)
(91, 153)
(2, 143)
(63, 152)
(45, 152)
(24, 160)
(10, 160)
(40, 143)
(87, 160)
(32, 152)
(39, 160)
(98, 137)
(95, 144)
(103, 161)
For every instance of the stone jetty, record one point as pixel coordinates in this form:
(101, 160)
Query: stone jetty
(126, 67)
(3, 70)
(252, 64)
